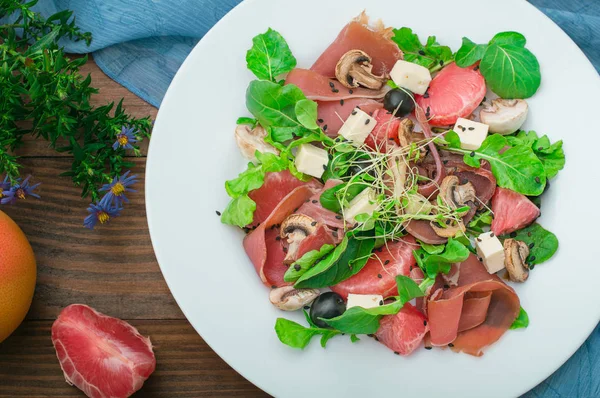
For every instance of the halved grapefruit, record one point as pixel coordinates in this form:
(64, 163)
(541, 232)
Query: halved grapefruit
(454, 92)
(101, 355)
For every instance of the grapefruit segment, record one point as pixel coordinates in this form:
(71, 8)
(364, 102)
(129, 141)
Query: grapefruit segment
(403, 332)
(101, 355)
(512, 211)
(454, 92)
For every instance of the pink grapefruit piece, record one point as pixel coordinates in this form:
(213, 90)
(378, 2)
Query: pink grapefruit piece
(454, 92)
(101, 355)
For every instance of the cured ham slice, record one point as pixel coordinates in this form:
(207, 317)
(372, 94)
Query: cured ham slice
(403, 332)
(357, 35)
(266, 254)
(334, 114)
(102, 356)
(312, 208)
(512, 211)
(276, 186)
(475, 313)
(379, 273)
(320, 88)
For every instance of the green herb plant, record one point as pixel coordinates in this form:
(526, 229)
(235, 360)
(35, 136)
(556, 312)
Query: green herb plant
(45, 96)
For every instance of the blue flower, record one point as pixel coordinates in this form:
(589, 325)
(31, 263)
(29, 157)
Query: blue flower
(125, 138)
(101, 212)
(116, 190)
(21, 190)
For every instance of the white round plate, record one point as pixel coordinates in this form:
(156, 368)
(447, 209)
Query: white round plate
(193, 152)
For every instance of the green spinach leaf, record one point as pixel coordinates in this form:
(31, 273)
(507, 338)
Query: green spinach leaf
(469, 53)
(550, 154)
(511, 38)
(543, 243)
(297, 269)
(270, 56)
(306, 112)
(347, 259)
(522, 320)
(432, 55)
(297, 336)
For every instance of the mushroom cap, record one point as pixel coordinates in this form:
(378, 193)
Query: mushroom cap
(300, 222)
(449, 231)
(504, 116)
(456, 195)
(354, 69)
(288, 298)
(515, 256)
(251, 140)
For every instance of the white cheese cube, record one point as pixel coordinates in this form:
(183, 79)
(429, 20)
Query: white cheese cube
(357, 127)
(491, 251)
(362, 203)
(471, 133)
(364, 300)
(413, 77)
(311, 160)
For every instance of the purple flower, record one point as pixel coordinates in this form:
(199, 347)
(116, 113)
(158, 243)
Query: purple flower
(116, 190)
(21, 190)
(101, 212)
(125, 138)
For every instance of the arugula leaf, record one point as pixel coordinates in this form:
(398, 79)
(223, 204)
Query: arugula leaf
(354, 338)
(432, 55)
(469, 53)
(275, 107)
(516, 168)
(510, 70)
(432, 264)
(247, 120)
(544, 242)
(481, 220)
(297, 336)
(270, 56)
(358, 320)
(346, 260)
(240, 211)
(551, 155)
(522, 320)
(431, 249)
(305, 262)
(306, 112)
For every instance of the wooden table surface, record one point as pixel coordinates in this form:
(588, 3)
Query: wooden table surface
(112, 269)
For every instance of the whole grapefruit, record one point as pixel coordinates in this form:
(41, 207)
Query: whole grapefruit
(17, 275)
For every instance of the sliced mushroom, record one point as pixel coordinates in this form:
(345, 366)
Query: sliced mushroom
(515, 257)
(288, 298)
(456, 195)
(295, 228)
(407, 135)
(450, 230)
(251, 140)
(504, 116)
(354, 69)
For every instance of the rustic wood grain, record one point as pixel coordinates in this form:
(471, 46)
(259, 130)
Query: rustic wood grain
(186, 366)
(112, 269)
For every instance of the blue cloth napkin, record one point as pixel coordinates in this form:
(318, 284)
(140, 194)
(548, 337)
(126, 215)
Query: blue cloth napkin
(142, 43)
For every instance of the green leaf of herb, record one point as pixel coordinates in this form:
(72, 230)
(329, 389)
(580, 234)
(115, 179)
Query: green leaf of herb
(407, 289)
(346, 260)
(522, 320)
(550, 154)
(270, 56)
(432, 55)
(305, 262)
(297, 336)
(239, 211)
(542, 243)
(511, 38)
(332, 198)
(469, 53)
(306, 112)
(433, 264)
(247, 120)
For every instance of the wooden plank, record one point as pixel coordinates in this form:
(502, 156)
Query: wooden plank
(186, 366)
(109, 92)
(112, 268)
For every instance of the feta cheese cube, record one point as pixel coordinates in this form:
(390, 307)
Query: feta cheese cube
(413, 77)
(490, 250)
(364, 300)
(362, 203)
(471, 133)
(357, 127)
(311, 160)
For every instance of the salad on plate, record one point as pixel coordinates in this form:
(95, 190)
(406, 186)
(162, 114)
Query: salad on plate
(390, 189)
